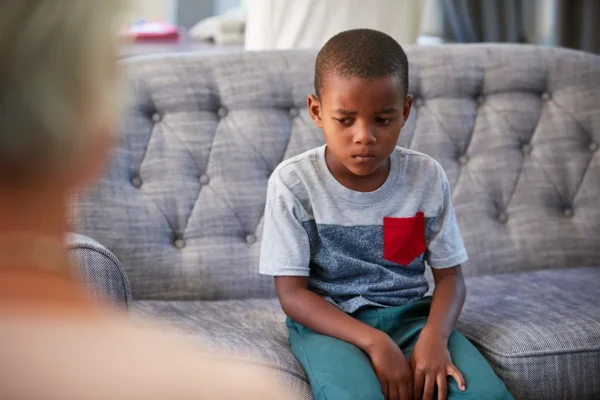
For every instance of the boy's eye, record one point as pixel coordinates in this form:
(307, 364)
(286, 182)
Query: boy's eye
(344, 121)
(383, 121)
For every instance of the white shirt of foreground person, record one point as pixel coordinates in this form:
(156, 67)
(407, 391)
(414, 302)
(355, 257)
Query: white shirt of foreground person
(308, 24)
(101, 359)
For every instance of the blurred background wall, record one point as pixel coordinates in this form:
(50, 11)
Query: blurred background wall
(309, 23)
(163, 10)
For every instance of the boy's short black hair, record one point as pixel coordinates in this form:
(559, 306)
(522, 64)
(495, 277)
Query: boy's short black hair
(363, 53)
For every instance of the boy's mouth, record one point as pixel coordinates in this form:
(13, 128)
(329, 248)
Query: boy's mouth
(363, 157)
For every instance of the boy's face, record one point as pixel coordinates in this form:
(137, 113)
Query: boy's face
(361, 120)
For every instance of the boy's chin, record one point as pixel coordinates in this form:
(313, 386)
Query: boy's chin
(363, 171)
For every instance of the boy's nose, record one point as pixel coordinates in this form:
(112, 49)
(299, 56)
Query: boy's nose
(364, 135)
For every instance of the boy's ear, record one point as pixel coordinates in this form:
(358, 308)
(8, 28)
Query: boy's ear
(315, 110)
(407, 106)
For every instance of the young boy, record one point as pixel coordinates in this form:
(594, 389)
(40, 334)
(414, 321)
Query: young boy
(348, 228)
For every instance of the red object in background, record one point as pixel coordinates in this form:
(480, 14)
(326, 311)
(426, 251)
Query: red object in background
(144, 31)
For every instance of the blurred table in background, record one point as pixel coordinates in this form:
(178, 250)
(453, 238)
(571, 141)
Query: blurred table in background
(184, 44)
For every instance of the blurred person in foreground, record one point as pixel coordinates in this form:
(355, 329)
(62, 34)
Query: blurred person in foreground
(59, 85)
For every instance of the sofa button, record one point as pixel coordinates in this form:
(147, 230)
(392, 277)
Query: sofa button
(204, 179)
(481, 100)
(179, 243)
(593, 146)
(156, 117)
(293, 112)
(545, 96)
(503, 218)
(136, 181)
(463, 160)
(222, 112)
(419, 102)
(527, 149)
(250, 239)
(568, 212)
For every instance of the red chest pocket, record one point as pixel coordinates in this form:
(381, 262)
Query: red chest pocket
(403, 238)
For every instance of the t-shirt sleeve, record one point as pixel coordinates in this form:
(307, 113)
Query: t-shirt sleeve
(445, 247)
(285, 249)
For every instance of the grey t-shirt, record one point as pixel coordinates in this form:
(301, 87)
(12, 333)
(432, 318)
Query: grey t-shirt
(360, 249)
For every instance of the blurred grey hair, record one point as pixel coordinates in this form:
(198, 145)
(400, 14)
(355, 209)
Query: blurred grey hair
(57, 63)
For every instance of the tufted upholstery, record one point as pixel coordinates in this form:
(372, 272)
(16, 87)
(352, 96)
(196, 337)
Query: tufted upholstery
(517, 129)
(100, 271)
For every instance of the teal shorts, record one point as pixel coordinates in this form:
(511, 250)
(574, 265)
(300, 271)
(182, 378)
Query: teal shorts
(338, 370)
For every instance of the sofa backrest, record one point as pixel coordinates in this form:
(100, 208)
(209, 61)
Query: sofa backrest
(517, 129)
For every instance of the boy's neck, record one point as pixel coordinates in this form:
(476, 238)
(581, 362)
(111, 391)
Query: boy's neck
(368, 183)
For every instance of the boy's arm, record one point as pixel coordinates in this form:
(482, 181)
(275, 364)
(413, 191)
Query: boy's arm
(445, 249)
(314, 312)
(448, 299)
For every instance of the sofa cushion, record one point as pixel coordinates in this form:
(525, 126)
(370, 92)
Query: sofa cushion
(539, 330)
(251, 329)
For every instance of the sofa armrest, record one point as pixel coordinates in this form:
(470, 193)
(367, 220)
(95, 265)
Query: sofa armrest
(100, 271)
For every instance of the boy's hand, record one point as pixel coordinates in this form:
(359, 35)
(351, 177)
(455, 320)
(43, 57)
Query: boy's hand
(392, 368)
(431, 364)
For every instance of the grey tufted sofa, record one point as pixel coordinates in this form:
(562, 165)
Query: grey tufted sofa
(516, 128)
